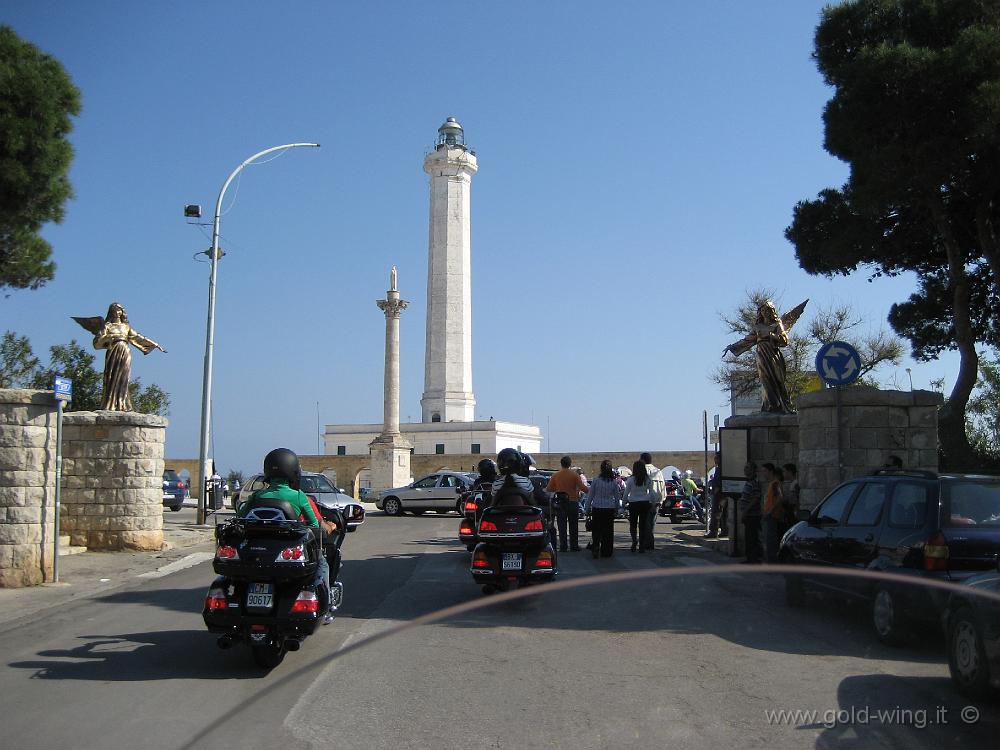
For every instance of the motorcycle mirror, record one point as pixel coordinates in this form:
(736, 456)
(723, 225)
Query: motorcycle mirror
(804, 515)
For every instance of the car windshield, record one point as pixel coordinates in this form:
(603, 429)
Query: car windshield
(169, 475)
(317, 483)
(971, 502)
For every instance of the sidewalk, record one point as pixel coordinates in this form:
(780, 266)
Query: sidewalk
(696, 534)
(88, 573)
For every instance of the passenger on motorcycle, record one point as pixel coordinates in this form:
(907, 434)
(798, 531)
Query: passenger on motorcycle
(518, 489)
(487, 476)
(283, 474)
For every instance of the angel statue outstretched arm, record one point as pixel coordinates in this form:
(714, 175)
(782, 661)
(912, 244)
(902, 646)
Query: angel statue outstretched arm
(114, 334)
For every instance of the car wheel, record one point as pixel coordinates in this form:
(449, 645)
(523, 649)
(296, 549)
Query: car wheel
(460, 508)
(795, 591)
(966, 656)
(392, 507)
(887, 617)
(176, 508)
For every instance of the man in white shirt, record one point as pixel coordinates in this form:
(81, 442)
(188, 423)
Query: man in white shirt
(659, 486)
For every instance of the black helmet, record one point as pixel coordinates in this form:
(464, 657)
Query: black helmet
(282, 463)
(526, 463)
(509, 461)
(488, 469)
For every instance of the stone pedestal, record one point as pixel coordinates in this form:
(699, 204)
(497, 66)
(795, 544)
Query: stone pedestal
(390, 461)
(873, 425)
(112, 484)
(774, 438)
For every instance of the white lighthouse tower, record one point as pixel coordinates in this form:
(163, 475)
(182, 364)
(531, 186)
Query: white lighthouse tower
(448, 393)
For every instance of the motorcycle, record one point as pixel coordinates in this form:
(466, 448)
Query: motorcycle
(514, 548)
(474, 501)
(681, 507)
(267, 593)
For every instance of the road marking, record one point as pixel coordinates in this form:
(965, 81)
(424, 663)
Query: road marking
(189, 561)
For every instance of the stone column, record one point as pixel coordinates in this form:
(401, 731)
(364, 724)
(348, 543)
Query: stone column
(391, 451)
(27, 487)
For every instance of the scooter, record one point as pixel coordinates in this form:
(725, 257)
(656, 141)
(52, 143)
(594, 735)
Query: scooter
(267, 593)
(514, 548)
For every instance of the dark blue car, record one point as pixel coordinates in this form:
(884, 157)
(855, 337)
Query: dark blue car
(914, 525)
(174, 490)
(972, 625)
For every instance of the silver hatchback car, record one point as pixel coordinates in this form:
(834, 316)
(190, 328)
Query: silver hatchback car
(440, 492)
(322, 491)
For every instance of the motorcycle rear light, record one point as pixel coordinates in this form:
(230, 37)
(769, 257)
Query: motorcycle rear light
(487, 526)
(180, 485)
(225, 552)
(216, 599)
(258, 628)
(292, 554)
(544, 560)
(479, 560)
(678, 504)
(470, 505)
(465, 530)
(936, 552)
(535, 525)
(305, 603)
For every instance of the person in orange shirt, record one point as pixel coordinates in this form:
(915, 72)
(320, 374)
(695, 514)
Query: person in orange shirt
(774, 510)
(570, 484)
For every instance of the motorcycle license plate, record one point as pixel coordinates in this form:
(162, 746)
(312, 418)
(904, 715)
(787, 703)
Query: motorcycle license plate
(511, 560)
(260, 596)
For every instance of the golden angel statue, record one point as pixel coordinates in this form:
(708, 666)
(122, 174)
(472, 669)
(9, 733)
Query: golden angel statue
(114, 334)
(769, 334)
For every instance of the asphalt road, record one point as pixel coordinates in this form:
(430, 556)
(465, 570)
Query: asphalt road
(693, 659)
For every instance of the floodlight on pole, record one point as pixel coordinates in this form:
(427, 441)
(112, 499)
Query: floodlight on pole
(206, 392)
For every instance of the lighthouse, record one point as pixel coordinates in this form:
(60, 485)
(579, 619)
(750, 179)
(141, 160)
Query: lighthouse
(448, 395)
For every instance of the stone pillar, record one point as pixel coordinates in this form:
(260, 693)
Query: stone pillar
(873, 425)
(27, 487)
(390, 451)
(112, 486)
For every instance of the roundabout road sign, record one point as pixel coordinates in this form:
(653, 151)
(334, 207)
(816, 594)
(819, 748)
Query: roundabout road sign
(838, 363)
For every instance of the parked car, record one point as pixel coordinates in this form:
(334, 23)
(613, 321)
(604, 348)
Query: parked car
(915, 525)
(322, 490)
(174, 490)
(972, 626)
(440, 492)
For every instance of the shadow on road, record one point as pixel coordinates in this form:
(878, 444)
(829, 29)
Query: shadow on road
(880, 710)
(140, 657)
(177, 600)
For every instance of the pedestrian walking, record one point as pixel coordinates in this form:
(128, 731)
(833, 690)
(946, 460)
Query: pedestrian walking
(660, 488)
(568, 486)
(640, 496)
(774, 511)
(749, 513)
(604, 496)
(715, 499)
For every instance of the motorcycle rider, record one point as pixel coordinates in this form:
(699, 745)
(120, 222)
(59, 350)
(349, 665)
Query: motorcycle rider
(283, 475)
(487, 476)
(514, 467)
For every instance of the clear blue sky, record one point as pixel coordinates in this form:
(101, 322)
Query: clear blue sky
(638, 164)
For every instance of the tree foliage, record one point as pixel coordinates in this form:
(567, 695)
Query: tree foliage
(17, 362)
(37, 99)
(832, 323)
(984, 410)
(76, 363)
(916, 115)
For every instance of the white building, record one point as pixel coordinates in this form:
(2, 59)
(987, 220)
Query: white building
(448, 404)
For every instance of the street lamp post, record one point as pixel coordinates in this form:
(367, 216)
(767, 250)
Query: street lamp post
(909, 374)
(206, 391)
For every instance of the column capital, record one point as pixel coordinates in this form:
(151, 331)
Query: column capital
(392, 307)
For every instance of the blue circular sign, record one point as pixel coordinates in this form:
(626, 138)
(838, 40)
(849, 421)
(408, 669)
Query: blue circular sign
(838, 363)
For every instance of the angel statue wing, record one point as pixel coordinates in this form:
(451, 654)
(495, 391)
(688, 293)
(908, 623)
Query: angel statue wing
(789, 318)
(93, 324)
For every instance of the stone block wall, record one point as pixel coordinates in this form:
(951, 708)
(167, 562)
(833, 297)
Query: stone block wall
(774, 438)
(112, 480)
(873, 425)
(27, 487)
